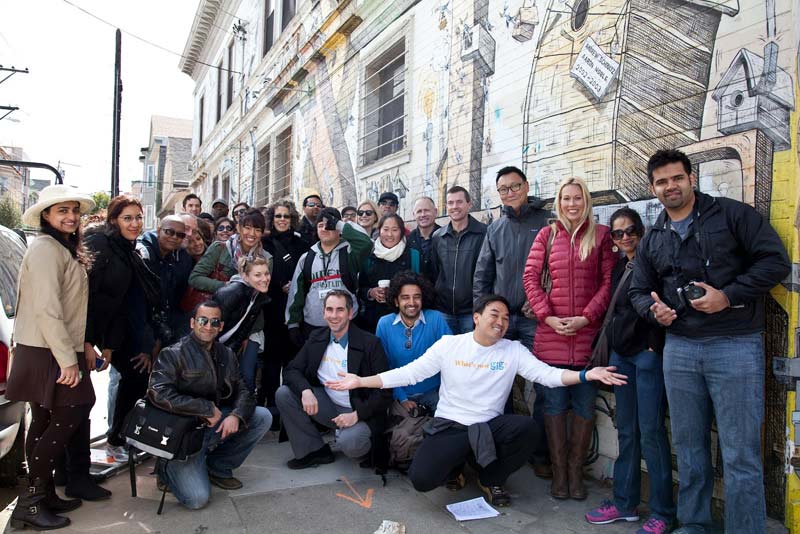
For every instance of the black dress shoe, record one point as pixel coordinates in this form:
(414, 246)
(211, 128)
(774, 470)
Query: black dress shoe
(87, 489)
(321, 456)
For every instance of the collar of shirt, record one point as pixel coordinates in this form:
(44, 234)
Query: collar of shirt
(342, 341)
(420, 319)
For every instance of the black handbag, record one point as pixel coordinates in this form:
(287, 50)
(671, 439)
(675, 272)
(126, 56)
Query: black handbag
(161, 433)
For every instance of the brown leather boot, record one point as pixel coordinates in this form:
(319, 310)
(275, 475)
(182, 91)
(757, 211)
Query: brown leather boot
(556, 428)
(580, 436)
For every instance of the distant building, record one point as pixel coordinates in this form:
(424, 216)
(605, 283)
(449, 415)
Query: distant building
(165, 168)
(14, 181)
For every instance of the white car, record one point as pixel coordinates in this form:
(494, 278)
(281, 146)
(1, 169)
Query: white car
(12, 414)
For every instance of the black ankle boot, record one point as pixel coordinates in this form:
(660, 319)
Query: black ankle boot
(87, 489)
(58, 505)
(32, 510)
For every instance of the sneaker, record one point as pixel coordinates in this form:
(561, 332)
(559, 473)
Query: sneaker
(231, 483)
(313, 459)
(608, 512)
(654, 526)
(456, 483)
(497, 495)
(117, 454)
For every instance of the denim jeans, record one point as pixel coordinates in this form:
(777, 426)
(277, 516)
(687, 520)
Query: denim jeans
(248, 363)
(580, 398)
(460, 323)
(113, 385)
(720, 376)
(641, 410)
(188, 480)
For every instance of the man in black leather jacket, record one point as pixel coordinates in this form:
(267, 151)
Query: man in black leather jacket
(200, 376)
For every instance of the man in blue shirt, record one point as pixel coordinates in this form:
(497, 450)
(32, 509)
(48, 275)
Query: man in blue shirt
(406, 335)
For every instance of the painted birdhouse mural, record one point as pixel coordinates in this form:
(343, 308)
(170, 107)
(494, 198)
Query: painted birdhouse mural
(755, 93)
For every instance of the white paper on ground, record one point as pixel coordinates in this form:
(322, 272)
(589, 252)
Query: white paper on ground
(476, 508)
(99, 456)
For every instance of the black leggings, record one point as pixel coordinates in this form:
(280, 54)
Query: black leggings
(49, 432)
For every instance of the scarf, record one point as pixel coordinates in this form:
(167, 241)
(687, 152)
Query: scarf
(235, 250)
(389, 254)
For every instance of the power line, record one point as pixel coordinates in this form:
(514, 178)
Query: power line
(146, 41)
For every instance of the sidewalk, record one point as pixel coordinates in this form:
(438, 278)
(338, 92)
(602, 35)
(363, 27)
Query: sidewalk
(275, 499)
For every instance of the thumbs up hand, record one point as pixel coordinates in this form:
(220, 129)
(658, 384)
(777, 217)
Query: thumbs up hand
(663, 313)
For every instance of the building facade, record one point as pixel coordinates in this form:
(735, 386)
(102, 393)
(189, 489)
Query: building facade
(352, 98)
(15, 181)
(165, 168)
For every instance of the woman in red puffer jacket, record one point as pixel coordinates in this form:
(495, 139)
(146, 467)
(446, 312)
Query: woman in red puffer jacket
(580, 264)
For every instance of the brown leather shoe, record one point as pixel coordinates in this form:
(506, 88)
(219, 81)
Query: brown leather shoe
(579, 440)
(543, 470)
(556, 428)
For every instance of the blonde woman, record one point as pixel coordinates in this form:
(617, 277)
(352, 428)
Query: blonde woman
(367, 213)
(580, 262)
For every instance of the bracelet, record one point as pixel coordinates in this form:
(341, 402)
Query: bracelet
(582, 376)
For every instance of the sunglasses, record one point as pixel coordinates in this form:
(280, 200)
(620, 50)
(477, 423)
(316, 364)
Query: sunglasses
(203, 321)
(368, 213)
(313, 205)
(224, 228)
(387, 203)
(629, 231)
(240, 212)
(281, 216)
(408, 337)
(172, 233)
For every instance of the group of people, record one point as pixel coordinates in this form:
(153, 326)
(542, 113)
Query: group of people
(273, 319)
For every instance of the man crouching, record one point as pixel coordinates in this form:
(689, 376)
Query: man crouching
(200, 376)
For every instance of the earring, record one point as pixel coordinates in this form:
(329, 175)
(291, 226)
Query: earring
(615, 248)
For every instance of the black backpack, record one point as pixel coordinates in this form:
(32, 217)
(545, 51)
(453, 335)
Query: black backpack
(344, 269)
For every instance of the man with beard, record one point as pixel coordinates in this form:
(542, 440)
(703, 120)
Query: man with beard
(406, 335)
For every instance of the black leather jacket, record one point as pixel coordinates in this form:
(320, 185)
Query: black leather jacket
(453, 258)
(188, 380)
(234, 298)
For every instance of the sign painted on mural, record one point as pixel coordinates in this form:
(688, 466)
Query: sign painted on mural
(594, 69)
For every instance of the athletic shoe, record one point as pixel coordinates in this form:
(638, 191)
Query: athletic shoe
(118, 454)
(654, 526)
(608, 512)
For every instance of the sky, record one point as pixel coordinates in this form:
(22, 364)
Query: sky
(66, 101)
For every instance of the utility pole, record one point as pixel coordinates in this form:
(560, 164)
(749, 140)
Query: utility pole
(117, 116)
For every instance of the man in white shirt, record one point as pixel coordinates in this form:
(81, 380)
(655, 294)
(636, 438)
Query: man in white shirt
(359, 416)
(477, 371)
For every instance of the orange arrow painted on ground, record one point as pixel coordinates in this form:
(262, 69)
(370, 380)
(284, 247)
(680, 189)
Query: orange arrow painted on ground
(361, 501)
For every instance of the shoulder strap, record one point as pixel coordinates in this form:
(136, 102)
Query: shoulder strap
(344, 270)
(622, 280)
(548, 247)
(308, 264)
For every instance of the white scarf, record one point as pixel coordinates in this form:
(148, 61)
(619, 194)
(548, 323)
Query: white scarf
(389, 254)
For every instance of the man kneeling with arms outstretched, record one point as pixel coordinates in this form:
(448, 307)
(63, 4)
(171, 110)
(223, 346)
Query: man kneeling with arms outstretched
(477, 371)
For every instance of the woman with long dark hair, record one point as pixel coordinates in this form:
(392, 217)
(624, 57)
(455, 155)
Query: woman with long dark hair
(577, 253)
(52, 358)
(286, 246)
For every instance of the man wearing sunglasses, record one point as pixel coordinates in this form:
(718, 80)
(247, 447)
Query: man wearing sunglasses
(406, 336)
(501, 260)
(185, 379)
(312, 206)
(163, 253)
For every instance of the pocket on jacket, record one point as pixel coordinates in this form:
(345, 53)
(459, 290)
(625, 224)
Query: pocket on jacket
(193, 373)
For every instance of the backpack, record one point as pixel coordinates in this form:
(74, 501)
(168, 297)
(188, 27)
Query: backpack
(405, 434)
(344, 269)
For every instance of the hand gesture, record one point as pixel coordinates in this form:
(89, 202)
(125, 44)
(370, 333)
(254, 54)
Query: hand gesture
(214, 419)
(345, 420)
(663, 313)
(91, 355)
(70, 376)
(331, 217)
(348, 381)
(575, 323)
(712, 302)
(561, 326)
(377, 294)
(106, 355)
(607, 376)
(309, 401)
(409, 405)
(142, 362)
(230, 425)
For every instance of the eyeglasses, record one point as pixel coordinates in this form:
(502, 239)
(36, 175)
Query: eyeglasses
(313, 205)
(281, 216)
(224, 228)
(387, 203)
(172, 233)
(203, 321)
(240, 211)
(503, 190)
(408, 337)
(630, 231)
(130, 218)
(368, 213)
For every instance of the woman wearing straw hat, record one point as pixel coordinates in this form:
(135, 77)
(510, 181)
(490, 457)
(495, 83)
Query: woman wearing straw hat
(51, 362)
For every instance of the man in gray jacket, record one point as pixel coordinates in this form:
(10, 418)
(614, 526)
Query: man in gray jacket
(498, 271)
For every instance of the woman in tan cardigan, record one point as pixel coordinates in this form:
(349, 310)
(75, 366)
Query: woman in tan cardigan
(51, 362)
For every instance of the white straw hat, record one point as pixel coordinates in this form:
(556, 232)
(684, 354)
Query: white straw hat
(56, 194)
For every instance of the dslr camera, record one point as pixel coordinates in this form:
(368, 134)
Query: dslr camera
(690, 292)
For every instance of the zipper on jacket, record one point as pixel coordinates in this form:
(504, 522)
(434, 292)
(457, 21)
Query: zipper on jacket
(455, 270)
(571, 298)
